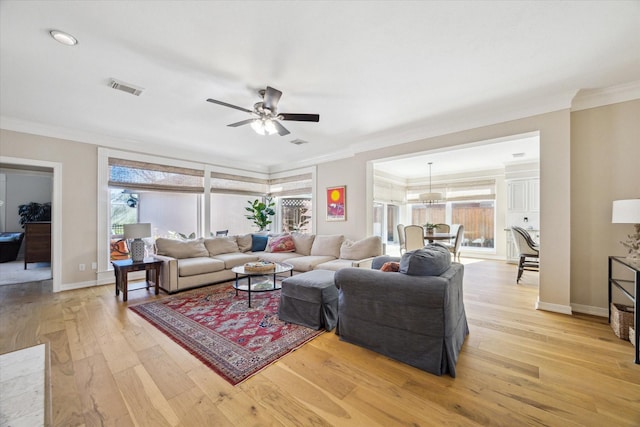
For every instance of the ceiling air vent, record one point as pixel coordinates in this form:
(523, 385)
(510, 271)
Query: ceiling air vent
(299, 142)
(125, 87)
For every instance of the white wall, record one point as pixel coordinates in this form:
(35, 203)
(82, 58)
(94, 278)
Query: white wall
(23, 187)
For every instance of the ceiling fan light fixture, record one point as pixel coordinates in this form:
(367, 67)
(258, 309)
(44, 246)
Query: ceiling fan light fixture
(264, 127)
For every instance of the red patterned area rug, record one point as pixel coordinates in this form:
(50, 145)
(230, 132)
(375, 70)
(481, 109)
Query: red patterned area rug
(221, 330)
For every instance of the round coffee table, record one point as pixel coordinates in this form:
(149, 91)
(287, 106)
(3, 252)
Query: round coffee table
(255, 284)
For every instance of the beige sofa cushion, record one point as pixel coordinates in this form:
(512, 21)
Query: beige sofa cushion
(200, 265)
(181, 249)
(327, 245)
(308, 263)
(361, 249)
(244, 242)
(235, 259)
(221, 245)
(275, 256)
(303, 242)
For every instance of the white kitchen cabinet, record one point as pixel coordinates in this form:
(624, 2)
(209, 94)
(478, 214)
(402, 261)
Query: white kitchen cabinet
(518, 195)
(534, 195)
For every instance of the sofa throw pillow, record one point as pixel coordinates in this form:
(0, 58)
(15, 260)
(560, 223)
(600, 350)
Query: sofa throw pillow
(361, 249)
(432, 260)
(244, 242)
(258, 242)
(281, 244)
(221, 245)
(327, 245)
(181, 249)
(303, 243)
(390, 266)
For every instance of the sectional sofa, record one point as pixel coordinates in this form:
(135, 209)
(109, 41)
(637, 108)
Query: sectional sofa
(192, 263)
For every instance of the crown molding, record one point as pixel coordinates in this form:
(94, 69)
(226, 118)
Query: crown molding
(25, 126)
(592, 98)
(472, 118)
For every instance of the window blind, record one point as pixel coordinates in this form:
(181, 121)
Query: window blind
(134, 175)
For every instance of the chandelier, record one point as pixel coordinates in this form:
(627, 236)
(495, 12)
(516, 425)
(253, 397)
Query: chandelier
(430, 197)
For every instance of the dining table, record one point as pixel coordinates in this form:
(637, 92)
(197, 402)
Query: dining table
(438, 236)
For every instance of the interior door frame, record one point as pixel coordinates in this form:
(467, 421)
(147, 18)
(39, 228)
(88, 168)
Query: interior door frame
(56, 212)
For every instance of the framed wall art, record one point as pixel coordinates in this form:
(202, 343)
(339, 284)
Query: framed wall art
(337, 203)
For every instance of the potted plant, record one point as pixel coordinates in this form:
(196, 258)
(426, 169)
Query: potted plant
(261, 212)
(33, 212)
(430, 227)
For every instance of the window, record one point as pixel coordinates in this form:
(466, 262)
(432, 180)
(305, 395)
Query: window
(124, 210)
(478, 219)
(168, 197)
(471, 204)
(295, 213)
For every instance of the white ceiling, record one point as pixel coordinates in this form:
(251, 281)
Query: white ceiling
(481, 156)
(378, 73)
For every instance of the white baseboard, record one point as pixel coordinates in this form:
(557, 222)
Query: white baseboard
(556, 308)
(77, 285)
(589, 309)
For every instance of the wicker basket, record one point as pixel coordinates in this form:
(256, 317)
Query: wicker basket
(621, 320)
(632, 336)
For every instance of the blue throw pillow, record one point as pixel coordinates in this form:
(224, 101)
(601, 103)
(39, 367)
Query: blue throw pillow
(432, 260)
(258, 242)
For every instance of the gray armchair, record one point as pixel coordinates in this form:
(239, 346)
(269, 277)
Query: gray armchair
(418, 320)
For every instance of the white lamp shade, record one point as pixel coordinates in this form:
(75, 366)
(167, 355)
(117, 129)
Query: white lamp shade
(626, 211)
(137, 231)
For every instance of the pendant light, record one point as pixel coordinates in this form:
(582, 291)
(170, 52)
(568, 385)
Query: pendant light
(430, 197)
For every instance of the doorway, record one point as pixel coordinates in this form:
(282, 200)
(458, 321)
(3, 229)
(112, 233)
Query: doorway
(55, 171)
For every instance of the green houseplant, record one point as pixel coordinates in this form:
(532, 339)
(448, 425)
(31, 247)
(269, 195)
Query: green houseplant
(430, 227)
(261, 212)
(32, 212)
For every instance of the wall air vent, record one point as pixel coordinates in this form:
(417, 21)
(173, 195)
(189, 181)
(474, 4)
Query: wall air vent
(299, 142)
(126, 87)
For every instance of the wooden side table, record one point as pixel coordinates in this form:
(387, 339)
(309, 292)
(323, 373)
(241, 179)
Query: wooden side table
(618, 283)
(122, 268)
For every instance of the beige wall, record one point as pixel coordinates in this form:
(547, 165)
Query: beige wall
(79, 181)
(554, 131)
(605, 159)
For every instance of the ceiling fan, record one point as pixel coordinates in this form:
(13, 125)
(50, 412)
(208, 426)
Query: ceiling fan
(266, 120)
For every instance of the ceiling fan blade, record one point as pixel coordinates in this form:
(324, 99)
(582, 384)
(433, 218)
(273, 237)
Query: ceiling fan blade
(244, 122)
(282, 131)
(300, 117)
(271, 98)
(229, 105)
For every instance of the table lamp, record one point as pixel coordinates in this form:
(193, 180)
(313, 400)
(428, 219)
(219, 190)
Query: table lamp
(137, 232)
(628, 212)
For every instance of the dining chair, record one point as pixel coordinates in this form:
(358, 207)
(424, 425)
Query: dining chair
(454, 247)
(400, 228)
(413, 237)
(443, 228)
(222, 232)
(528, 251)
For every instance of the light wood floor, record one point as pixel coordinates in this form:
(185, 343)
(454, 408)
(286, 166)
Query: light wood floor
(518, 366)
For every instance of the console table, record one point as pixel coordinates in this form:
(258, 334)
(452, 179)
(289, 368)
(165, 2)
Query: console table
(635, 268)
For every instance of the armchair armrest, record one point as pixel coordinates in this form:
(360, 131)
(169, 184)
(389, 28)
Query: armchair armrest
(363, 263)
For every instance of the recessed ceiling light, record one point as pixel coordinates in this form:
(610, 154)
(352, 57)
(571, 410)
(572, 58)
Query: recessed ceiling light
(516, 155)
(63, 37)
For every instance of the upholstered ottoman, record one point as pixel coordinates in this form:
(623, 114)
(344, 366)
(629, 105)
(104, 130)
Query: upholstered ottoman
(310, 299)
